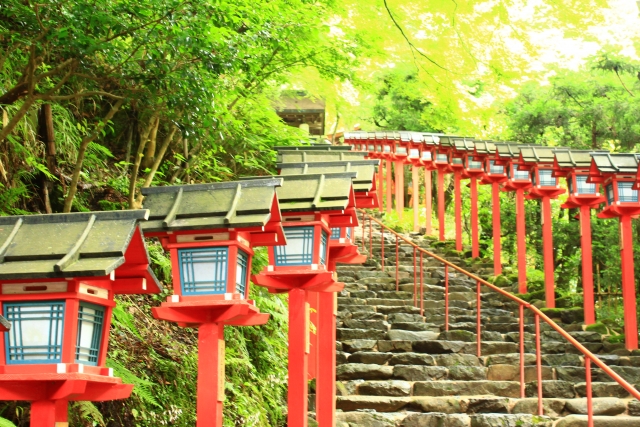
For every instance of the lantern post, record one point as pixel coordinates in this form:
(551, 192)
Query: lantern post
(443, 165)
(493, 174)
(459, 147)
(58, 277)
(414, 157)
(427, 157)
(342, 249)
(518, 181)
(544, 186)
(574, 166)
(210, 231)
(384, 148)
(311, 205)
(473, 170)
(617, 174)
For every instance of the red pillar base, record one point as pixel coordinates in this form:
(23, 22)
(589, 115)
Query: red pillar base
(210, 375)
(298, 359)
(628, 284)
(441, 204)
(326, 379)
(547, 249)
(497, 233)
(587, 265)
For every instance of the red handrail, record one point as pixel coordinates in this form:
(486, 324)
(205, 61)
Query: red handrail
(589, 357)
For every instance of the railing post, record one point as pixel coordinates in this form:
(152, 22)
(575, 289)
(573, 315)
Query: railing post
(522, 380)
(397, 266)
(587, 366)
(446, 297)
(478, 321)
(382, 247)
(421, 286)
(415, 279)
(370, 237)
(539, 365)
(363, 227)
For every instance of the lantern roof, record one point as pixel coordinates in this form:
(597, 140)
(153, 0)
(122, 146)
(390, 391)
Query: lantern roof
(314, 192)
(405, 136)
(509, 150)
(85, 244)
(570, 158)
(463, 144)
(233, 204)
(615, 163)
(365, 170)
(537, 154)
(430, 138)
(313, 147)
(485, 147)
(358, 134)
(417, 137)
(292, 156)
(448, 140)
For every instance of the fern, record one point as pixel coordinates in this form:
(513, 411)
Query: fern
(124, 320)
(142, 387)
(87, 411)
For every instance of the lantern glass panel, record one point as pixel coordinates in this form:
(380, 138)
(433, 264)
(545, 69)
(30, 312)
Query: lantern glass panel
(372, 147)
(626, 193)
(414, 152)
(583, 186)
(401, 150)
(323, 248)
(349, 232)
(90, 323)
(520, 175)
(335, 233)
(426, 155)
(474, 164)
(610, 197)
(457, 160)
(441, 158)
(495, 169)
(36, 332)
(299, 247)
(387, 149)
(203, 270)
(241, 272)
(546, 180)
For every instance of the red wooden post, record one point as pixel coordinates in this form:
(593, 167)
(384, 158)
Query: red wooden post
(441, 204)
(497, 244)
(446, 297)
(539, 365)
(522, 379)
(547, 249)
(298, 359)
(521, 242)
(428, 199)
(415, 177)
(478, 321)
(587, 370)
(210, 375)
(475, 235)
(43, 413)
(389, 185)
(628, 283)
(314, 309)
(326, 379)
(381, 186)
(458, 202)
(587, 265)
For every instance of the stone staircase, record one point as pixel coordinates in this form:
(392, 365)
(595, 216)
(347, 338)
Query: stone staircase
(398, 368)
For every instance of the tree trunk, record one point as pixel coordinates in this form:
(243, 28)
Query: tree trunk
(73, 187)
(153, 123)
(150, 153)
(46, 136)
(156, 163)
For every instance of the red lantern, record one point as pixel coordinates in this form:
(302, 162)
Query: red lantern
(210, 230)
(58, 276)
(617, 174)
(311, 205)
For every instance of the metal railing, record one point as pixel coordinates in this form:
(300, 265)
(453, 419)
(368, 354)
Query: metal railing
(418, 294)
